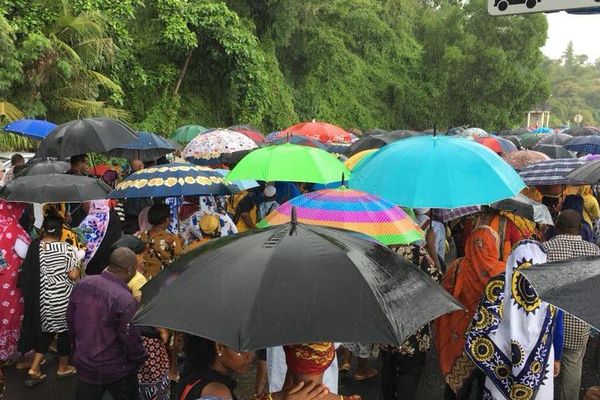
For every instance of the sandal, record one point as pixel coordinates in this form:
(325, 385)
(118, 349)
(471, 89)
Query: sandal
(35, 379)
(345, 367)
(69, 372)
(368, 374)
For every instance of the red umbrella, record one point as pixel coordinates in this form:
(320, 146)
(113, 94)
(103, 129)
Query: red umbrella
(321, 131)
(497, 144)
(249, 131)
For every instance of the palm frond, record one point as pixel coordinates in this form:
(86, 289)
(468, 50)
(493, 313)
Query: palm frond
(92, 108)
(9, 112)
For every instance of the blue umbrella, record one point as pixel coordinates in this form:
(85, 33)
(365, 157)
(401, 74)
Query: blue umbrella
(437, 172)
(173, 180)
(584, 144)
(36, 129)
(543, 129)
(147, 147)
(243, 184)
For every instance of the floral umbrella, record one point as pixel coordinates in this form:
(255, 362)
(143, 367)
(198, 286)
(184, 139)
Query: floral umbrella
(474, 132)
(522, 158)
(218, 146)
(321, 131)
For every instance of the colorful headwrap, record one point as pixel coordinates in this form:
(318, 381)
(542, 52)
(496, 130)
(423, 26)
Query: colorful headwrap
(309, 359)
(94, 227)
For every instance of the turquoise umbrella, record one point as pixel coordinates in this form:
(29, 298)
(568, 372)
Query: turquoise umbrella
(437, 172)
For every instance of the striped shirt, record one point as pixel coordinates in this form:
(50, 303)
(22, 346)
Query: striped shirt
(564, 247)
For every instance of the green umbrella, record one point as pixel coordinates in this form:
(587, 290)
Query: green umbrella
(290, 163)
(185, 134)
(528, 140)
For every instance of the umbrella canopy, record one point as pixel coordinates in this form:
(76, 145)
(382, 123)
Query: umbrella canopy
(553, 151)
(529, 140)
(551, 172)
(353, 161)
(32, 128)
(584, 144)
(497, 144)
(295, 280)
(473, 132)
(300, 140)
(83, 136)
(250, 131)
(449, 214)
(583, 131)
(588, 173)
(571, 285)
(290, 163)
(185, 134)
(437, 172)
(218, 146)
(374, 131)
(54, 188)
(522, 158)
(378, 141)
(44, 167)
(525, 207)
(242, 185)
(352, 210)
(512, 132)
(321, 131)
(147, 147)
(173, 180)
(337, 149)
(555, 138)
(543, 129)
(514, 140)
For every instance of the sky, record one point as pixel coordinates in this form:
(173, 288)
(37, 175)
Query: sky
(583, 30)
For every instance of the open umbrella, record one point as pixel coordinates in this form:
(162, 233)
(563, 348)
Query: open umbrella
(553, 151)
(473, 132)
(529, 140)
(54, 188)
(512, 132)
(555, 138)
(83, 136)
(185, 134)
(551, 172)
(147, 147)
(584, 144)
(497, 144)
(173, 180)
(242, 185)
(300, 140)
(583, 131)
(525, 207)
(37, 166)
(436, 172)
(543, 129)
(352, 210)
(449, 214)
(32, 128)
(353, 161)
(321, 131)
(250, 131)
(588, 173)
(305, 283)
(218, 146)
(522, 158)
(571, 285)
(289, 163)
(378, 141)
(337, 149)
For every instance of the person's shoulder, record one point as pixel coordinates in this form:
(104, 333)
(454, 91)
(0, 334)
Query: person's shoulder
(216, 389)
(592, 248)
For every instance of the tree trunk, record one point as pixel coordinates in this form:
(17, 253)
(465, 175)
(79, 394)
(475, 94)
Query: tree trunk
(183, 71)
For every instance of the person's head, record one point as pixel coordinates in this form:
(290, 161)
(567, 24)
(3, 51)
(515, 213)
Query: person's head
(17, 159)
(136, 165)
(573, 202)
(17, 169)
(159, 215)
(203, 353)
(269, 192)
(52, 226)
(134, 244)
(210, 225)
(122, 263)
(79, 163)
(483, 245)
(569, 223)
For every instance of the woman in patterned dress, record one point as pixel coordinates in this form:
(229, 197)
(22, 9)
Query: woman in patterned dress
(13, 245)
(47, 279)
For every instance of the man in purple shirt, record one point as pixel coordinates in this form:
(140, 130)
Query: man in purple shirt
(107, 349)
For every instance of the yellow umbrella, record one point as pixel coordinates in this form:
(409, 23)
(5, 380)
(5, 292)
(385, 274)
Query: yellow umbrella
(355, 159)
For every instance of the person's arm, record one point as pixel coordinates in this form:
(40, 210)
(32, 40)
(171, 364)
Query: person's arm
(128, 334)
(21, 248)
(559, 335)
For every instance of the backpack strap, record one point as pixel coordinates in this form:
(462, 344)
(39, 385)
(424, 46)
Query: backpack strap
(188, 389)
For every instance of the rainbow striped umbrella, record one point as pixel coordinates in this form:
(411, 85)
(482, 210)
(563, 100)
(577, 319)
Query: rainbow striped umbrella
(352, 210)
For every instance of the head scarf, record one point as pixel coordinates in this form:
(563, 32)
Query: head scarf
(94, 227)
(511, 334)
(309, 359)
(466, 279)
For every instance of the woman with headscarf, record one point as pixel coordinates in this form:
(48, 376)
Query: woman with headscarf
(101, 228)
(508, 337)
(465, 279)
(14, 242)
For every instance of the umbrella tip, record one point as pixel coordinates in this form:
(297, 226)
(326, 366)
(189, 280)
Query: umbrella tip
(294, 216)
(434, 130)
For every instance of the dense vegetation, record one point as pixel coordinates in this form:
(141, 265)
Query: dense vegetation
(359, 63)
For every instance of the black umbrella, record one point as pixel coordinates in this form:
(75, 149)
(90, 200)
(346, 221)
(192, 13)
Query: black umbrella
(294, 283)
(553, 151)
(54, 188)
(374, 131)
(515, 140)
(571, 285)
(587, 173)
(378, 141)
(556, 139)
(525, 207)
(583, 131)
(147, 147)
(87, 135)
(37, 166)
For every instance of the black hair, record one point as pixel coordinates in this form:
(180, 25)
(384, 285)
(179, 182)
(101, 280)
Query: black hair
(200, 353)
(131, 242)
(16, 158)
(158, 213)
(17, 169)
(53, 225)
(78, 158)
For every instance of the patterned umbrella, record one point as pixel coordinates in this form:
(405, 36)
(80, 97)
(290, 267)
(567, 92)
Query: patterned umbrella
(522, 158)
(448, 214)
(497, 144)
(583, 131)
(555, 138)
(271, 137)
(301, 140)
(218, 146)
(321, 131)
(173, 180)
(473, 132)
(358, 157)
(352, 210)
(250, 131)
(551, 172)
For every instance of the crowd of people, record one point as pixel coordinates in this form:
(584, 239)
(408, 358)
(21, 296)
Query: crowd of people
(71, 278)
